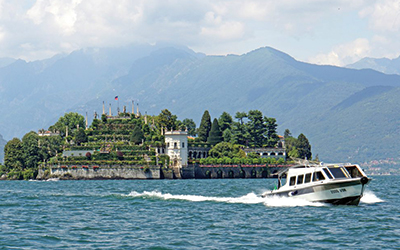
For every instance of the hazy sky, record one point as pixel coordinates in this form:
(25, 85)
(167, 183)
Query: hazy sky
(318, 31)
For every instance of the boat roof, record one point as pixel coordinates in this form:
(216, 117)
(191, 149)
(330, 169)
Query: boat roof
(313, 165)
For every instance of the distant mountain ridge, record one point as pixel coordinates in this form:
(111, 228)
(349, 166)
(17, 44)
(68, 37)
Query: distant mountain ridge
(347, 114)
(384, 65)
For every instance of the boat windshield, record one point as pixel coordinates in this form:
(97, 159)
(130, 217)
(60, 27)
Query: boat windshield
(354, 171)
(337, 173)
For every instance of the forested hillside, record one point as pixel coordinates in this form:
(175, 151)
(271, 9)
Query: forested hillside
(347, 114)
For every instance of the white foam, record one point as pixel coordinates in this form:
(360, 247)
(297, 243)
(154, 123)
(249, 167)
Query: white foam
(250, 198)
(53, 179)
(275, 201)
(370, 198)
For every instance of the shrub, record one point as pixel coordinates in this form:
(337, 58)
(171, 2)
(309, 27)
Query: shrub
(281, 161)
(88, 155)
(227, 160)
(120, 155)
(236, 160)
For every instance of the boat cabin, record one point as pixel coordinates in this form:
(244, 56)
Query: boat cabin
(304, 174)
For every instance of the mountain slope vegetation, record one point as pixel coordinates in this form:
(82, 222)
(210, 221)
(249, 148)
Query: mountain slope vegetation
(346, 114)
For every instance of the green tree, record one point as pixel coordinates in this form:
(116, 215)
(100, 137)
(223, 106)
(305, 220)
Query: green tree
(215, 133)
(137, 135)
(272, 136)
(30, 147)
(167, 120)
(290, 145)
(49, 146)
(287, 133)
(227, 135)
(13, 155)
(239, 130)
(205, 126)
(190, 126)
(71, 120)
(80, 136)
(256, 128)
(225, 121)
(95, 124)
(304, 147)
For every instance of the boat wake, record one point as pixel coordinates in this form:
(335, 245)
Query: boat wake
(370, 198)
(250, 198)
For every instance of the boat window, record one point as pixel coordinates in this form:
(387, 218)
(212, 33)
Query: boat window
(353, 171)
(318, 176)
(328, 173)
(308, 178)
(300, 179)
(337, 172)
(283, 179)
(292, 181)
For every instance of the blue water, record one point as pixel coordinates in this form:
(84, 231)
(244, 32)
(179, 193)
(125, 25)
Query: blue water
(190, 214)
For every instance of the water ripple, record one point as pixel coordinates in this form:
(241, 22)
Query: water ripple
(189, 214)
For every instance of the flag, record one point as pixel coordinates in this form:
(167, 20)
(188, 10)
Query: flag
(116, 98)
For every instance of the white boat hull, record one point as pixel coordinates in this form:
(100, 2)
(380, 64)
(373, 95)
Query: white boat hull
(347, 192)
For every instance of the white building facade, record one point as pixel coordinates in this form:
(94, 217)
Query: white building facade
(177, 147)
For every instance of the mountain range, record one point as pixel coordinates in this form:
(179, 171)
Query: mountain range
(384, 65)
(347, 114)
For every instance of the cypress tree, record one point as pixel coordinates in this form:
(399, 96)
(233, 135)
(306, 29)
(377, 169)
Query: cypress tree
(205, 126)
(304, 147)
(215, 133)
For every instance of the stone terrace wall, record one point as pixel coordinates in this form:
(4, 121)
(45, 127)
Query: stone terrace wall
(101, 172)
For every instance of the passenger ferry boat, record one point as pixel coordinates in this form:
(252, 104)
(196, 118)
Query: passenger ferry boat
(339, 184)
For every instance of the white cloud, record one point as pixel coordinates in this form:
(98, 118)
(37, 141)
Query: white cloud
(383, 15)
(61, 13)
(45, 27)
(344, 54)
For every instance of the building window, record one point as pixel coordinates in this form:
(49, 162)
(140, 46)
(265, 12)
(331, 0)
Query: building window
(175, 145)
(183, 144)
(167, 144)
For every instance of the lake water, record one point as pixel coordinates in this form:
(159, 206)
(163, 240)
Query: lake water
(190, 214)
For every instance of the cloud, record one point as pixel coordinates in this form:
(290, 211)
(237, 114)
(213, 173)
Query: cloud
(344, 54)
(42, 28)
(383, 16)
(61, 14)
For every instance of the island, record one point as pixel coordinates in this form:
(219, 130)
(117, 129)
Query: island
(132, 145)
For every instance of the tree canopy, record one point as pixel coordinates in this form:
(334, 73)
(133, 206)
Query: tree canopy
(71, 121)
(215, 133)
(205, 126)
(14, 154)
(167, 120)
(190, 126)
(225, 121)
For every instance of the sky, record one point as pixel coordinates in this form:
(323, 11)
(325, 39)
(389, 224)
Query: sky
(336, 32)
